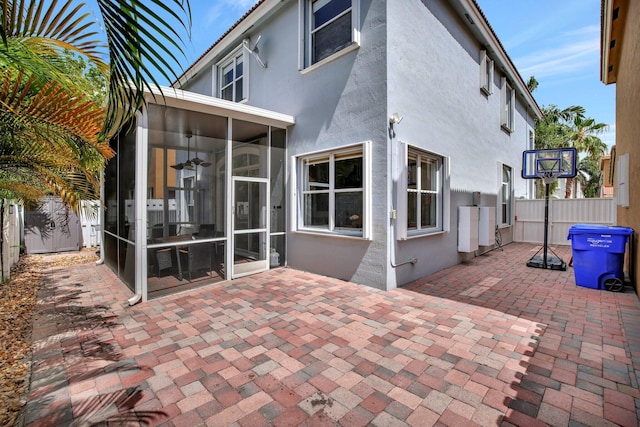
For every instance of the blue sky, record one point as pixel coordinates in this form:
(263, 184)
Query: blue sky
(556, 41)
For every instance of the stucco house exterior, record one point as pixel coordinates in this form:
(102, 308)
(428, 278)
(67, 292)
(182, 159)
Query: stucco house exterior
(369, 140)
(620, 44)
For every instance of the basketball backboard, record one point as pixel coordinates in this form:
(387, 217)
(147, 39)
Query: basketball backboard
(549, 163)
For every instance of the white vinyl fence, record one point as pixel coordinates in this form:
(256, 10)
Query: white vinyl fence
(12, 214)
(90, 222)
(563, 213)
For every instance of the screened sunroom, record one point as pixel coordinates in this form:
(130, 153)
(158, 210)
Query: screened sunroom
(195, 194)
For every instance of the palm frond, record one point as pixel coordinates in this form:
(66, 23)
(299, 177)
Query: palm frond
(141, 43)
(59, 25)
(70, 113)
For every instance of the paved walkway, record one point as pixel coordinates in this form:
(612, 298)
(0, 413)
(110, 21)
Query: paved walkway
(489, 343)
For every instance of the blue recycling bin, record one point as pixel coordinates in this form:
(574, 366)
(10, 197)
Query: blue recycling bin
(598, 255)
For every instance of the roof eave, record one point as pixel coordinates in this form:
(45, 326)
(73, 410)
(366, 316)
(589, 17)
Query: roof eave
(480, 26)
(234, 35)
(177, 98)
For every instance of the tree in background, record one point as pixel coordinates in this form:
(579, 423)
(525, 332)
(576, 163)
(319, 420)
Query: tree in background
(569, 128)
(590, 177)
(54, 126)
(584, 138)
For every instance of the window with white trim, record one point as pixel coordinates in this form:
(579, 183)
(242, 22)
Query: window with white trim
(486, 73)
(334, 194)
(505, 196)
(329, 27)
(508, 106)
(424, 191)
(231, 77)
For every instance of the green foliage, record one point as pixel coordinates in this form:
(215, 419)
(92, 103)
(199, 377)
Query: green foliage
(590, 177)
(143, 36)
(532, 84)
(569, 128)
(54, 82)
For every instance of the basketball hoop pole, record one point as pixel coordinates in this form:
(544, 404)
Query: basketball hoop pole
(546, 223)
(551, 262)
(548, 164)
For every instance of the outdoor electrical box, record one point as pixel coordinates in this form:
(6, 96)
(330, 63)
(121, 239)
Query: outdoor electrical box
(487, 226)
(468, 217)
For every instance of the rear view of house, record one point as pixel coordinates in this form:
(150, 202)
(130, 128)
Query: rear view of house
(369, 140)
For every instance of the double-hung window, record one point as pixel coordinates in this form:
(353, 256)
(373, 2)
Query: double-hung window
(422, 204)
(231, 77)
(508, 105)
(330, 27)
(424, 191)
(334, 194)
(505, 199)
(486, 73)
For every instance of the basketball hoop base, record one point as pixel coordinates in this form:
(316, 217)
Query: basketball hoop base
(553, 263)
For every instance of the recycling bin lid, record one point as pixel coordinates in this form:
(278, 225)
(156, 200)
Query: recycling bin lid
(599, 229)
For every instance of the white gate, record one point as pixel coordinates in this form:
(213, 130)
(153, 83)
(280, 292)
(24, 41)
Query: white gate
(563, 213)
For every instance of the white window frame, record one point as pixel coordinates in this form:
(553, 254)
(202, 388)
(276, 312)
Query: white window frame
(362, 149)
(305, 8)
(442, 196)
(508, 106)
(486, 73)
(227, 60)
(505, 202)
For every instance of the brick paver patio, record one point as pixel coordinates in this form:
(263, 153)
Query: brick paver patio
(489, 342)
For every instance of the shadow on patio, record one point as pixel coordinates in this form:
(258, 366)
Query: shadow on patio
(580, 363)
(488, 342)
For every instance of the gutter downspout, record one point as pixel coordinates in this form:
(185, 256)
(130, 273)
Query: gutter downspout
(101, 218)
(393, 244)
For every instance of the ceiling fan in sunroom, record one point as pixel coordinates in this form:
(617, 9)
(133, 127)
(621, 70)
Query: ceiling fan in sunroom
(190, 163)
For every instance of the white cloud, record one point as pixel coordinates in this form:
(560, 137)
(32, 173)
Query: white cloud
(609, 137)
(222, 10)
(574, 51)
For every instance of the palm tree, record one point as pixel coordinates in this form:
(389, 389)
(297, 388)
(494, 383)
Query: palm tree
(584, 139)
(589, 176)
(553, 131)
(54, 135)
(571, 129)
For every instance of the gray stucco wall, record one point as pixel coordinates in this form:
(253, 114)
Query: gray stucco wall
(340, 103)
(434, 83)
(418, 59)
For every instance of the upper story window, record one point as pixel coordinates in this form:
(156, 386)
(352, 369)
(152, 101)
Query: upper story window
(333, 197)
(486, 73)
(330, 27)
(231, 77)
(508, 106)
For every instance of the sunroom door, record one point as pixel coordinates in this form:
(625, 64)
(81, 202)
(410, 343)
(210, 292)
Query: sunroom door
(250, 232)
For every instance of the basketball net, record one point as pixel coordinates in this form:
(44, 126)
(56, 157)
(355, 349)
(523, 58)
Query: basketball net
(548, 177)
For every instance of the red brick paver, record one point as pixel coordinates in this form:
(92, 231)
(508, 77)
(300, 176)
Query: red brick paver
(487, 342)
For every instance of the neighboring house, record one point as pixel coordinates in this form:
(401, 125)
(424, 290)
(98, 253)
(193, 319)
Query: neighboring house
(346, 138)
(619, 64)
(607, 166)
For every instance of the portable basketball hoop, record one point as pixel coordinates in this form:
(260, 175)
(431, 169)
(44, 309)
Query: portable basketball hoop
(548, 165)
